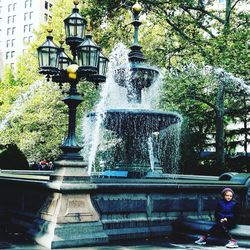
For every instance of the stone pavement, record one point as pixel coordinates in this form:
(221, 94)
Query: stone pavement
(158, 244)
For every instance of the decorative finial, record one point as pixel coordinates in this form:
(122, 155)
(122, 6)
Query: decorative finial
(136, 8)
(88, 26)
(49, 28)
(61, 39)
(76, 2)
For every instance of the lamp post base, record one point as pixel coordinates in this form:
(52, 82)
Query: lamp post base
(68, 170)
(68, 219)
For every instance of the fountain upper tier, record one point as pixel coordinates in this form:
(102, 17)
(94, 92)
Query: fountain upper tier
(140, 121)
(142, 75)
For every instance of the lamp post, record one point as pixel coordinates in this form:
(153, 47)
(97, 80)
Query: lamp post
(87, 63)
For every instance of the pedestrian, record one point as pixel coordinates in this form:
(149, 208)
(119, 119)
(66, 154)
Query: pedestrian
(226, 215)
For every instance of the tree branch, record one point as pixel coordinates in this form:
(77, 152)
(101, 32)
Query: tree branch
(236, 2)
(204, 12)
(199, 24)
(176, 28)
(202, 100)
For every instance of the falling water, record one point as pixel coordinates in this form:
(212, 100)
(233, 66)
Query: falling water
(151, 153)
(170, 142)
(114, 97)
(151, 95)
(229, 78)
(111, 96)
(222, 75)
(18, 105)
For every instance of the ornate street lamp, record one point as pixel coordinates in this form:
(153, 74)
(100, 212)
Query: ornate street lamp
(74, 29)
(100, 76)
(48, 56)
(63, 62)
(55, 63)
(88, 54)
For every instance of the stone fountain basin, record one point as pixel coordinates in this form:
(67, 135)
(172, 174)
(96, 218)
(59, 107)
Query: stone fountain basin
(59, 214)
(140, 121)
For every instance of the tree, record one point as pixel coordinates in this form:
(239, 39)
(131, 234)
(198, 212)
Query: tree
(11, 157)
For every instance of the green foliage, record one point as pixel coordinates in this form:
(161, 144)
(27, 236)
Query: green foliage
(8, 77)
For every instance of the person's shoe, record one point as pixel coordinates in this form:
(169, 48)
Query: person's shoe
(201, 241)
(232, 244)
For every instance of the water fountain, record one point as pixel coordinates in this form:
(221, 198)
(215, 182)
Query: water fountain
(132, 123)
(71, 208)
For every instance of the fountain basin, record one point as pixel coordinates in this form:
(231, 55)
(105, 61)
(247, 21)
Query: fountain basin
(141, 121)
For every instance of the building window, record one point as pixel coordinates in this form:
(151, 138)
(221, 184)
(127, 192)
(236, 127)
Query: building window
(25, 16)
(7, 55)
(46, 17)
(12, 54)
(7, 43)
(1, 20)
(13, 42)
(14, 19)
(12, 65)
(13, 30)
(50, 5)
(25, 40)
(30, 27)
(8, 31)
(9, 18)
(30, 38)
(9, 7)
(31, 14)
(26, 3)
(14, 6)
(25, 28)
(221, 1)
(46, 5)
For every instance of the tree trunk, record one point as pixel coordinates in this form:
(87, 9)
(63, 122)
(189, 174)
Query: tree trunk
(245, 126)
(219, 139)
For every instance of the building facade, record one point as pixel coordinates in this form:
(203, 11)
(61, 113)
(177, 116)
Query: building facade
(18, 20)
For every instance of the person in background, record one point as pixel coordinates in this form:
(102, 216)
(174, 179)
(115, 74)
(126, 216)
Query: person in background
(226, 215)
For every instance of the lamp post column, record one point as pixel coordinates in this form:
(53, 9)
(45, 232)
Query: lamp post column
(70, 146)
(70, 165)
